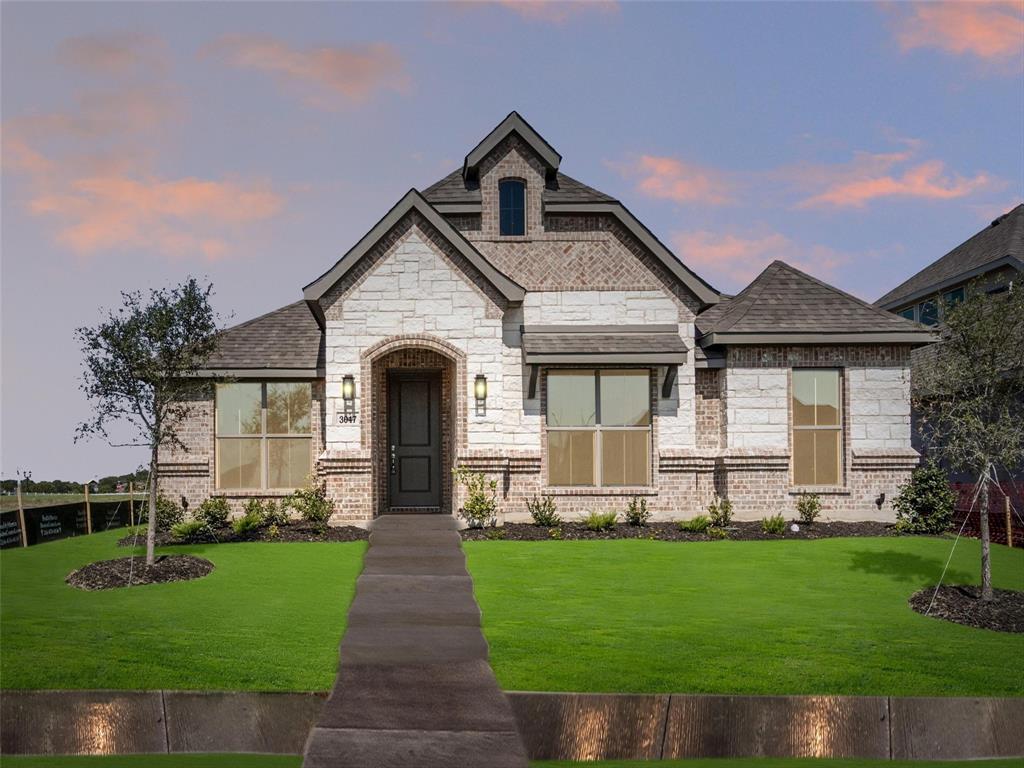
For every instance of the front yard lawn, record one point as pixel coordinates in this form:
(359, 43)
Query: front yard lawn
(268, 618)
(744, 617)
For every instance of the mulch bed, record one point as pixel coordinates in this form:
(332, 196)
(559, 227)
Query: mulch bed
(737, 531)
(962, 605)
(112, 574)
(297, 531)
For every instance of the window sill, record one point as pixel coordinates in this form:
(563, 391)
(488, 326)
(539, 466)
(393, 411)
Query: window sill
(821, 490)
(249, 493)
(610, 491)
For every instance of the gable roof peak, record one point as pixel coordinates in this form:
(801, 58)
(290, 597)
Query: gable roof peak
(513, 123)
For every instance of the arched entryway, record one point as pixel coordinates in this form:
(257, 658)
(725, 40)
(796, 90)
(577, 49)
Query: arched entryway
(413, 422)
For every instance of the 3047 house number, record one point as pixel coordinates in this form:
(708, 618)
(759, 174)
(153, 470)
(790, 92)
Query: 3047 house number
(346, 418)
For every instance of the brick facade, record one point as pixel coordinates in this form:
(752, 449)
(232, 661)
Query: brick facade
(414, 302)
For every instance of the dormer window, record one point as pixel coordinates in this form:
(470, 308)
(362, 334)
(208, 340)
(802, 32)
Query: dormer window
(512, 206)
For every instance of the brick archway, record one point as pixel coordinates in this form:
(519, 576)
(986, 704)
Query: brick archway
(412, 351)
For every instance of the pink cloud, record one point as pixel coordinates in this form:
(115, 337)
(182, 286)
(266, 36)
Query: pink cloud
(176, 218)
(557, 11)
(732, 260)
(122, 53)
(322, 73)
(924, 181)
(986, 30)
(668, 178)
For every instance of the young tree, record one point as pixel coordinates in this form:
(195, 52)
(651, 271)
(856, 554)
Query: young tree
(140, 367)
(969, 391)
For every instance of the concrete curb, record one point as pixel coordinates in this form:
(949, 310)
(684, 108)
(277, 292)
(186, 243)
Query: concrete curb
(553, 726)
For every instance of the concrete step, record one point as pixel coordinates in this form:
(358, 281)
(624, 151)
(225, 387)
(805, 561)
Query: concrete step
(411, 536)
(416, 522)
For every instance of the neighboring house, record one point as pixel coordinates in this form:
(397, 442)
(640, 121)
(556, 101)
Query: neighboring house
(995, 256)
(514, 321)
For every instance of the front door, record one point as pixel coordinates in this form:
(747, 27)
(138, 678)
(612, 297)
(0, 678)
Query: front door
(414, 439)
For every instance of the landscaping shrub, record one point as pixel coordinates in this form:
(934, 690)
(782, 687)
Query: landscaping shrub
(312, 504)
(214, 512)
(637, 513)
(699, 524)
(601, 521)
(252, 520)
(720, 511)
(776, 524)
(925, 503)
(168, 513)
(556, 534)
(808, 507)
(275, 514)
(481, 504)
(718, 533)
(273, 531)
(189, 529)
(494, 533)
(543, 511)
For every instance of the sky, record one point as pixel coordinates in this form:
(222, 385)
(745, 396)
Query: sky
(251, 145)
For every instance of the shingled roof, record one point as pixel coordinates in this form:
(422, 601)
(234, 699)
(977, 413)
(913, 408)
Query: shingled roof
(1002, 242)
(285, 342)
(453, 189)
(786, 306)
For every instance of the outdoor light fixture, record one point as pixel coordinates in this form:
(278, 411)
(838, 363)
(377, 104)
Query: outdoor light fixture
(348, 388)
(480, 388)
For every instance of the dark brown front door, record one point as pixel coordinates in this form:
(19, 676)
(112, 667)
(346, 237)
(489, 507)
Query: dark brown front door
(414, 439)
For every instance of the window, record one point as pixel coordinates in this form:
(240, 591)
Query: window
(954, 297)
(817, 426)
(264, 438)
(907, 313)
(599, 427)
(512, 206)
(928, 312)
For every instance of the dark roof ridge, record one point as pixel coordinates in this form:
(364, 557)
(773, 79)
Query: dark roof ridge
(751, 292)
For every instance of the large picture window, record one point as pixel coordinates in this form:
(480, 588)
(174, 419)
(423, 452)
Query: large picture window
(599, 427)
(817, 427)
(264, 438)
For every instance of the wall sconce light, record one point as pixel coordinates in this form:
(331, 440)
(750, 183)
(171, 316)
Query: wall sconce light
(348, 388)
(480, 388)
(880, 500)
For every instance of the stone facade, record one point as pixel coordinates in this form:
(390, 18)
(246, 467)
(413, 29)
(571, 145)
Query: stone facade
(414, 301)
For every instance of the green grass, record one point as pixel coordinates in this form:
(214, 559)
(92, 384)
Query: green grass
(31, 500)
(269, 618)
(759, 617)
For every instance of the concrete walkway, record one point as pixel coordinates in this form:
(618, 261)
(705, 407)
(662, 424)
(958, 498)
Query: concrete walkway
(414, 687)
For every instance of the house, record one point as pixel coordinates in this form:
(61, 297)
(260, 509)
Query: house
(994, 256)
(514, 321)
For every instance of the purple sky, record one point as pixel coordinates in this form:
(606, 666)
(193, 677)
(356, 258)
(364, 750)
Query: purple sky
(253, 144)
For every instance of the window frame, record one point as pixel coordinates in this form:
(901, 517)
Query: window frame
(840, 428)
(597, 428)
(913, 313)
(263, 436)
(522, 184)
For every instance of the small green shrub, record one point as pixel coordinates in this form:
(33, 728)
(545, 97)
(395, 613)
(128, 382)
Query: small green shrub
(495, 533)
(273, 531)
(168, 513)
(251, 521)
(601, 521)
(275, 514)
(188, 530)
(718, 533)
(699, 524)
(544, 511)
(312, 504)
(808, 507)
(720, 511)
(775, 525)
(925, 503)
(480, 507)
(556, 534)
(637, 513)
(214, 512)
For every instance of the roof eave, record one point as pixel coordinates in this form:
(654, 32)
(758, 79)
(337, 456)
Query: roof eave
(513, 123)
(801, 338)
(1004, 261)
(261, 373)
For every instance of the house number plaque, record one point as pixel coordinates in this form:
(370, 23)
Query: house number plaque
(346, 418)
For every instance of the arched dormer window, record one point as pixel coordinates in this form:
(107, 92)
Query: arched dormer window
(512, 206)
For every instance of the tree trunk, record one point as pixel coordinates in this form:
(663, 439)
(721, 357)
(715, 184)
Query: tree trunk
(986, 564)
(151, 518)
